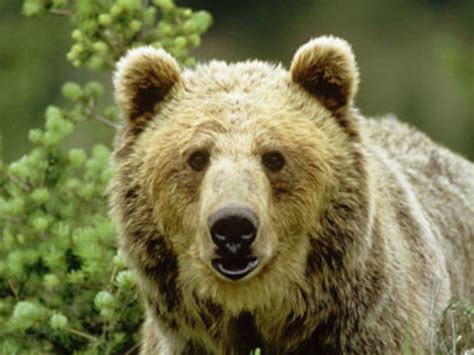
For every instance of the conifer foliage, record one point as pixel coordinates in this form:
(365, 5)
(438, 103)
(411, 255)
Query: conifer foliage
(63, 286)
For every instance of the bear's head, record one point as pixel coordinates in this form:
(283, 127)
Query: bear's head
(228, 173)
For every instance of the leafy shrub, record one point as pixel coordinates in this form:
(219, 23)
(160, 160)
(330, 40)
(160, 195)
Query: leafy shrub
(63, 287)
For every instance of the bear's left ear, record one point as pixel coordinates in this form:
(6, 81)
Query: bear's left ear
(326, 67)
(143, 78)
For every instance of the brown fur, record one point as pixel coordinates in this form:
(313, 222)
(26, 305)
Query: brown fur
(365, 234)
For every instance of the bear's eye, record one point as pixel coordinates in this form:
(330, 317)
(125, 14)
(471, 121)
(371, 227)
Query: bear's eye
(198, 160)
(273, 161)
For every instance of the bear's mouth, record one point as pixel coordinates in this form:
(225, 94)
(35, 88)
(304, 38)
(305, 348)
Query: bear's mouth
(235, 268)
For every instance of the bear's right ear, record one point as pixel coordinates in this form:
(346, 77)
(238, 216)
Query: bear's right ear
(143, 78)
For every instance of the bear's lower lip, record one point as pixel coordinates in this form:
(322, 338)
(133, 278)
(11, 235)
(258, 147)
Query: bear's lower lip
(235, 268)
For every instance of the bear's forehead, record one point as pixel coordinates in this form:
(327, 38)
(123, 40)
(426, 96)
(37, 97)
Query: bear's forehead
(255, 77)
(220, 89)
(251, 96)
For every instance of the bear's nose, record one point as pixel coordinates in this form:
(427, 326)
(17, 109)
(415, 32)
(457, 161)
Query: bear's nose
(233, 229)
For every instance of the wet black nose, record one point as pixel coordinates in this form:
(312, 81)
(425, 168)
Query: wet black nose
(233, 229)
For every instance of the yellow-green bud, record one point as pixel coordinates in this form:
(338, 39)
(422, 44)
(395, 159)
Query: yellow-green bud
(77, 157)
(133, 5)
(116, 10)
(73, 184)
(15, 206)
(51, 281)
(35, 136)
(28, 314)
(149, 16)
(189, 62)
(70, 56)
(87, 191)
(77, 35)
(203, 20)
(93, 88)
(157, 44)
(76, 277)
(101, 153)
(78, 48)
(40, 224)
(125, 279)
(166, 5)
(119, 260)
(100, 47)
(104, 299)
(105, 19)
(180, 42)
(53, 115)
(135, 26)
(9, 240)
(111, 112)
(72, 91)
(165, 29)
(107, 313)
(21, 238)
(31, 8)
(60, 3)
(190, 26)
(19, 169)
(96, 62)
(194, 40)
(58, 321)
(40, 195)
(186, 13)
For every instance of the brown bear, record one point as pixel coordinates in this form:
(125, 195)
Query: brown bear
(259, 209)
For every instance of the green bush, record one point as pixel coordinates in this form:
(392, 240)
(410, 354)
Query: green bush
(63, 287)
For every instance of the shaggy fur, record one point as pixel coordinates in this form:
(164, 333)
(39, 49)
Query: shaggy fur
(365, 234)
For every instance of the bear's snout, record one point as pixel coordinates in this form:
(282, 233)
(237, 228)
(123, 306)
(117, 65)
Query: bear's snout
(233, 229)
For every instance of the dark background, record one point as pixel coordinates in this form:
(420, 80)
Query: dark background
(415, 57)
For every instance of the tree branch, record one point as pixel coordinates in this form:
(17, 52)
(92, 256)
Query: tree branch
(18, 182)
(81, 334)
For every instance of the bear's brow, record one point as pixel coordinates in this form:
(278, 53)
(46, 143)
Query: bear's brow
(209, 124)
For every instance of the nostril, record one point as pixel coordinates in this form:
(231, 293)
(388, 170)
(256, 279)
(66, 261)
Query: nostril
(218, 238)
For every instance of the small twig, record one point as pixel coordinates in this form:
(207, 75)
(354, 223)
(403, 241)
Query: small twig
(20, 183)
(143, 29)
(453, 332)
(12, 220)
(105, 121)
(61, 11)
(5, 191)
(114, 272)
(432, 330)
(81, 334)
(14, 290)
(132, 349)
(108, 325)
(90, 111)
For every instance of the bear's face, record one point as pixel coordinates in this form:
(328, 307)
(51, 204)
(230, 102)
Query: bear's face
(235, 161)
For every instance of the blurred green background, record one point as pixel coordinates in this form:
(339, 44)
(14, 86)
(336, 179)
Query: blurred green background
(415, 56)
